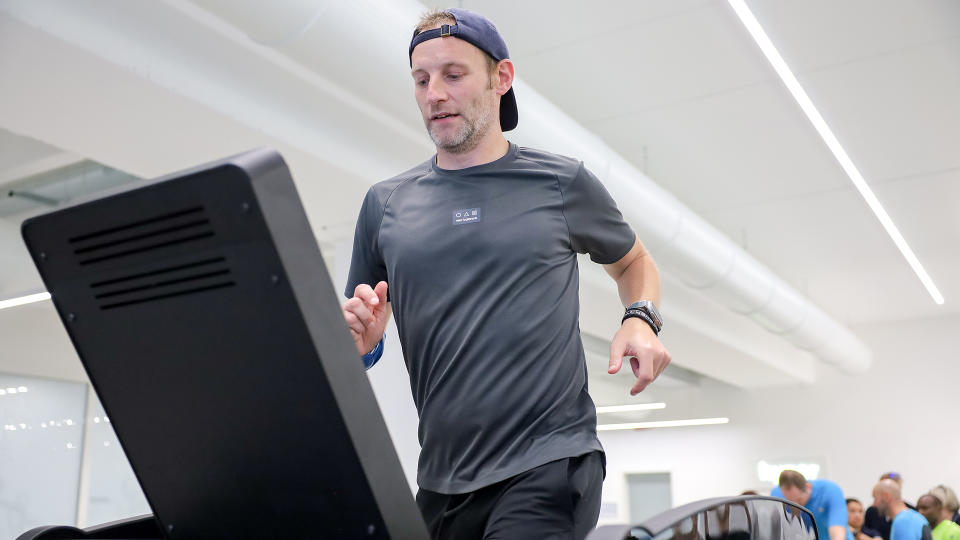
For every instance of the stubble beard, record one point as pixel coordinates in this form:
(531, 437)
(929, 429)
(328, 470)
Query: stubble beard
(476, 123)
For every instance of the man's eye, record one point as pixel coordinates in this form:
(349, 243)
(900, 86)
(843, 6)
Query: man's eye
(421, 82)
(453, 76)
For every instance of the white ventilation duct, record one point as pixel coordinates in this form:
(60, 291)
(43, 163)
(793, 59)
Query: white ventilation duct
(693, 250)
(362, 45)
(681, 241)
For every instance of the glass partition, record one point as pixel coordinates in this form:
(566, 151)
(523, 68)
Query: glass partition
(41, 445)
(47, 437)
(114, 492)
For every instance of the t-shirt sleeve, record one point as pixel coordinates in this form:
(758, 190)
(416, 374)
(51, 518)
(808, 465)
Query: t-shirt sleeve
(837, 514)
(366, 263)
(595, 224)
(904, 528)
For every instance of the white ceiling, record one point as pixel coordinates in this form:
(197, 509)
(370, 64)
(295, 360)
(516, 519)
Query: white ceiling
(680, 89)
(675, 86)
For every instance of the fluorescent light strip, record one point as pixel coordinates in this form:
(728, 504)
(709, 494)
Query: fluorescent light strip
(760, 37)
(629, 408)
(663, 424)
(21, 300)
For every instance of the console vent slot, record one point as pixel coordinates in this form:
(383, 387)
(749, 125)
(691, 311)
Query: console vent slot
(161, 283)
(142, 236)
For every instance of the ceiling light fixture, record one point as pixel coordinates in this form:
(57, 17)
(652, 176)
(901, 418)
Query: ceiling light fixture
(22, 300)
(630, 408)
(663, 424)
(788, 78)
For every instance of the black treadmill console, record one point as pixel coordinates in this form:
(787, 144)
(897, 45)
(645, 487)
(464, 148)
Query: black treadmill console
(203, 313)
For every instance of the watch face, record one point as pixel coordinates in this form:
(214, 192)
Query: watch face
(650, 309)
(655, 314)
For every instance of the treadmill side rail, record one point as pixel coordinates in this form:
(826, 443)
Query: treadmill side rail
(143, 527)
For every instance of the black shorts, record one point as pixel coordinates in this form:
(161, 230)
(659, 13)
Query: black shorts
(558, 500)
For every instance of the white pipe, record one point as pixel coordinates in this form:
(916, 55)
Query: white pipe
(692, 249)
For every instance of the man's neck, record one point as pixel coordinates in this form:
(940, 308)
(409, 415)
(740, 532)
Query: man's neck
(491, 148)
(896, 508)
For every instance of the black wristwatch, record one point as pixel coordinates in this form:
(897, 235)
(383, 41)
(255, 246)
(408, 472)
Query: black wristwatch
(646, 310)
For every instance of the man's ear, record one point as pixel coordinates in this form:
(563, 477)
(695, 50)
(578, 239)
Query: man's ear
(505, 73)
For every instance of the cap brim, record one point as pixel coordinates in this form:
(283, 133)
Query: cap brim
(508, 111)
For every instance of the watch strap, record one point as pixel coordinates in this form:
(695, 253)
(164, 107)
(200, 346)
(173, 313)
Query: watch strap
(640, 314)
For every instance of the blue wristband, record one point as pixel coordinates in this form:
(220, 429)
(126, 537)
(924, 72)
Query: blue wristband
(373, 356)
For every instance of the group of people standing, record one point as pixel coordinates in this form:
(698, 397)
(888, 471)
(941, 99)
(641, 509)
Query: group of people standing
(937, 509)
(935, 517)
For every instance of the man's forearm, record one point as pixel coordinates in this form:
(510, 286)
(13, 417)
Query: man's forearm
(640, 281)
(837, 532)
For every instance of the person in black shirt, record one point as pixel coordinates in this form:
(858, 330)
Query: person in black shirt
(474, 254)
(855, 520)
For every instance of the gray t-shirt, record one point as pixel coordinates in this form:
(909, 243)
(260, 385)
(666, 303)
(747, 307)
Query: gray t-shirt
(482, 273)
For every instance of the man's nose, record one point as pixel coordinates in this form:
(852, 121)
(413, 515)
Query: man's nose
(436, 91)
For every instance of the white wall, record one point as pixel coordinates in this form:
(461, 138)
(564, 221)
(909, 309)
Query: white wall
(899, 416)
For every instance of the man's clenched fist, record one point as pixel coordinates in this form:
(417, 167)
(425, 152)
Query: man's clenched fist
(366, 315)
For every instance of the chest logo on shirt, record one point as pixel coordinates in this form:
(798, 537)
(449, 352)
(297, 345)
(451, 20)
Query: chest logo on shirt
(467, 215)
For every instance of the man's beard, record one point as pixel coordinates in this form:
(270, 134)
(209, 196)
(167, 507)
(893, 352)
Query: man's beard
(476, 123)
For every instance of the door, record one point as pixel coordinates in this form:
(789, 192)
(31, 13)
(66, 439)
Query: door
(648, 495)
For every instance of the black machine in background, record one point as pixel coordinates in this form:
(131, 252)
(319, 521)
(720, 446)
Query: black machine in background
(203, 313)
(748, 517)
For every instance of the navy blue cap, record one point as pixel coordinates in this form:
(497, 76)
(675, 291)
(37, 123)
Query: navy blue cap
(481, 33)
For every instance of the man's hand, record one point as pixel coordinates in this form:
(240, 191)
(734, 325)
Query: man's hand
(648, 356)
(367, 314)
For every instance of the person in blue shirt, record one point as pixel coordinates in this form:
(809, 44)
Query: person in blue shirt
(823, 498)
(907, 524)
(875, 519)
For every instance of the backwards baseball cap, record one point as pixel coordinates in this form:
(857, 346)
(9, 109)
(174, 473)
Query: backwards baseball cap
(482, 34)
